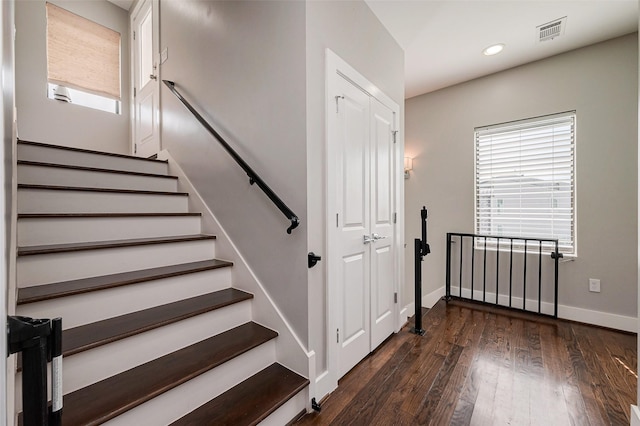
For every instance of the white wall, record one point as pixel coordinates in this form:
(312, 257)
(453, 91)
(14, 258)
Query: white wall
(242, 65)
(46, 120)
(599, 82)
(354, 33)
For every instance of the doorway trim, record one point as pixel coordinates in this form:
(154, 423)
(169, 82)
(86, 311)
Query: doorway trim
(336, 68)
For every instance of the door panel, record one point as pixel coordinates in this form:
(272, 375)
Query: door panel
(352, 194)
(146, 100)
(382, 198)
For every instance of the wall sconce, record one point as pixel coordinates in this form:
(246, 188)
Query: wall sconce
(408, 166)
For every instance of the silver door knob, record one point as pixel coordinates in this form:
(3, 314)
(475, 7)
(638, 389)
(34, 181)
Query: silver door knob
(366, 239)
(153, 77)
(376, 237)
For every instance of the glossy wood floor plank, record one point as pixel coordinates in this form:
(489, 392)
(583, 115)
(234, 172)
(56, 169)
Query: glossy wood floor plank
(479, 365)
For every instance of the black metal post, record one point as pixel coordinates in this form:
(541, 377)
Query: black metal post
(448, 272)
(421, 249)
(29, 336)
(417, 329)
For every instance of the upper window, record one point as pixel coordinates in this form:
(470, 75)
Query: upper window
(525, 180)
(82, 56)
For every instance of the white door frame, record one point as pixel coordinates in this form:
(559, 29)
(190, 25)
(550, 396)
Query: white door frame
(155, 9)
(336, 68)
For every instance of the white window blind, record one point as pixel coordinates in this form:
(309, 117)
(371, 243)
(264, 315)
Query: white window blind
(82, 54)
(525, 179)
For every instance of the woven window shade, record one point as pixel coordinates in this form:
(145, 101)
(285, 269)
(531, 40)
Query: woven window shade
(82, 54)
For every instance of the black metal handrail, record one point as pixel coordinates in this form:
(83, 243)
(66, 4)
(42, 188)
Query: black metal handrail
(253, 176)
(479, 243)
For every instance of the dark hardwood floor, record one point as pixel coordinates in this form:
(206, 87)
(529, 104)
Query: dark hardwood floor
(479, 365)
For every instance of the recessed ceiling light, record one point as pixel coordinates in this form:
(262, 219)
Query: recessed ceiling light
(493, 50)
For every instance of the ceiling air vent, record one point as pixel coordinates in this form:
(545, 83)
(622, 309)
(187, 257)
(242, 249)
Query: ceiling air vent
(551, 30)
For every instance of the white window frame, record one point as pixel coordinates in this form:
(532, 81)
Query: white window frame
(498, 152)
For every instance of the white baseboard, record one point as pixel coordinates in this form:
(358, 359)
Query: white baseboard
(635, 416)
(603, 319)
(587, 316)
(428, 300)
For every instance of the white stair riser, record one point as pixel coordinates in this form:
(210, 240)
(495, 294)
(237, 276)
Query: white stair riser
(51, 268)
(88, 367)
(48, 201)
(288, 411)
(179, 401)
(64, 156)
(86, 308)
(39, 175)
(43, 231)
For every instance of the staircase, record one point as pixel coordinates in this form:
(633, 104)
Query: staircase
(154, 331)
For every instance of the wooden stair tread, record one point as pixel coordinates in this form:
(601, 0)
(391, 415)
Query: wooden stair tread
(85, 285)
(113, 396)
(101, 215)
(88, 151)
(93, 169)
(71, 247)
(99, 333)
(249, 402)
(89, 189)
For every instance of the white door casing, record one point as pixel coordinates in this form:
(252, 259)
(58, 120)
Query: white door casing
(363, 163)
(146, 87)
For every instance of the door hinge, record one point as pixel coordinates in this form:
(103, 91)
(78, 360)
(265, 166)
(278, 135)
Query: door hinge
(134, 92)
(395, 217)
(134, 35)
(395, 135)
(338, 97)
(337, 220)
(135, 148)
(395, 297)
(337, 335)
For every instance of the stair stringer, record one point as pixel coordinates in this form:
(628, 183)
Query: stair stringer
(290, 351)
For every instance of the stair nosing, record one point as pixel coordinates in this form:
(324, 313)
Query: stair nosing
(88, 285)
(120, 381)
(75, 247)
(89, 151)
(229, 297)
(92, 169)
(298, 383)
(89, 189)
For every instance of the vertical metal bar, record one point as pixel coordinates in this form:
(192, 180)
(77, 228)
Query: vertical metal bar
(55, 418)
(555, 301)
(524, 279)
(510, 270)
(540, 277)
(417, 246)
(497, 268)
(461, 254)
(473, 262)
(34, 383)
(484, 272)
(448, 272)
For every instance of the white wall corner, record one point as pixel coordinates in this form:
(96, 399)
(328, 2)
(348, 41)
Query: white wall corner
(290, 351)
(635, 416)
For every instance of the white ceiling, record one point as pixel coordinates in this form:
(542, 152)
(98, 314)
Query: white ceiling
(444, 39)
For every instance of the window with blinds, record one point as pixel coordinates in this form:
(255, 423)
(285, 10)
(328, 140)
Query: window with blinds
(82, 54)
(525, 179)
